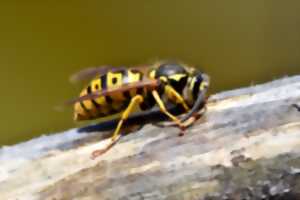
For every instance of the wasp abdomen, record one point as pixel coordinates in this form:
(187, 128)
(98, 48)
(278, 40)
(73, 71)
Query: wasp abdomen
(108, 104)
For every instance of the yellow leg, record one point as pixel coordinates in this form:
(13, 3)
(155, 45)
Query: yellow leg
(99, 152)
(195, 117)
(134, 101)
(116, 135)
(164, 110)
(174, 95)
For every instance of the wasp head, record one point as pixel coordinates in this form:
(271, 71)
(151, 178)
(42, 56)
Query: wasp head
(195, 92)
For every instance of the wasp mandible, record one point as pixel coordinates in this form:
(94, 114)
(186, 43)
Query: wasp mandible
(122, 90)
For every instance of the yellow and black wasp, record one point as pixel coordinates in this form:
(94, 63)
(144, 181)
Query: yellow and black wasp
(122, 90)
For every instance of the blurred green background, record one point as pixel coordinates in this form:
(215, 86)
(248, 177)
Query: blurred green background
(42, 42)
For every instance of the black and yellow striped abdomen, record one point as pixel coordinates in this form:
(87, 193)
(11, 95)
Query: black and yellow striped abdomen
(111, 104)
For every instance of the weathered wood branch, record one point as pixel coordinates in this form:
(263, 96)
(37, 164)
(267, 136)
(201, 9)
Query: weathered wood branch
(247, 146)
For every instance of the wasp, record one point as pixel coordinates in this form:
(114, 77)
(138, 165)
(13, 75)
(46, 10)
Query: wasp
(122, 90)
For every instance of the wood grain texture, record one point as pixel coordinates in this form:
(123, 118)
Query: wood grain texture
(247, 146)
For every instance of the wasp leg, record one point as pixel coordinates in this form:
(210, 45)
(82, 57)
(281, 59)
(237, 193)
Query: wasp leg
(116, 135)
(172, 93)
(190, 121)
(133, 103)
(164, 110)
(99, 152)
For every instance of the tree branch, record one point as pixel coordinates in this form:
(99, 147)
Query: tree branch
(247, 146)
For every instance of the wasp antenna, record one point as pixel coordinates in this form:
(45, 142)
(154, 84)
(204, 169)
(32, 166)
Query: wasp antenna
(196, 107)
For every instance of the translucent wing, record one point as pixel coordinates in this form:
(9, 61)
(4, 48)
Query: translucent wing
(150, 84)
(91, 72)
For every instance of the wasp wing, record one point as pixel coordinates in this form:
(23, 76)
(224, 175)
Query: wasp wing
(92, 72)
(150, 84)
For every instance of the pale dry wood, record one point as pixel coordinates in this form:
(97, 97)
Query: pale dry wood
(247, 146)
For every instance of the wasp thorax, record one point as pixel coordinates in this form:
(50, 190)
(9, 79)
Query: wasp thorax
(169, 69)
(173, 74)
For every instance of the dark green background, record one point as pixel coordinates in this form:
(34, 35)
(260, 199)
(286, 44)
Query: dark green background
(42, 42)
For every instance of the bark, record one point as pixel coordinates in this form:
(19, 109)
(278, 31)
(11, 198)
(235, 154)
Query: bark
(246, 146)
